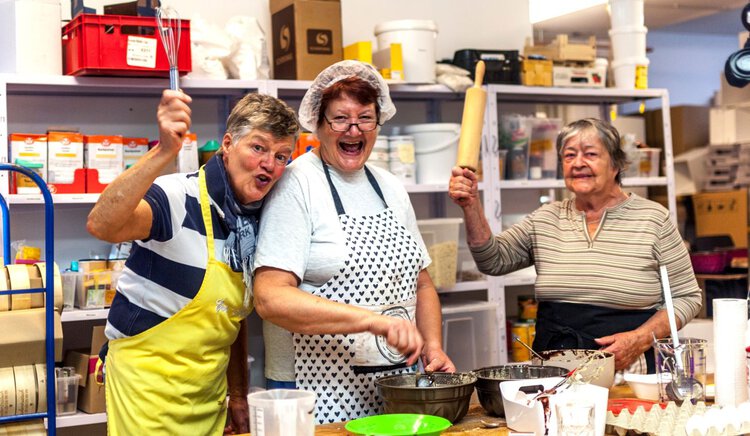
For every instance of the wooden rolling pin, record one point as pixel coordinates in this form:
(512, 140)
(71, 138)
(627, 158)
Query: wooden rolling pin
(471, 124)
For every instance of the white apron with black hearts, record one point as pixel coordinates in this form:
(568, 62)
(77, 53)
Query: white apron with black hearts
(380, 274)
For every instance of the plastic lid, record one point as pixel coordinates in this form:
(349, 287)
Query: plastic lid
(211, 145)
(74, 265)
(390, 26)
(432, 127)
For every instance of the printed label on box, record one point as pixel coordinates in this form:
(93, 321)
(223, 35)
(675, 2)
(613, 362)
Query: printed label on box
(187, 159)
(319, 41)
(65, 151)
(104, 153)
(141, 52)
(132, 150)
(29, 150)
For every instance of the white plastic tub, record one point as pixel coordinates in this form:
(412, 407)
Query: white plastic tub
(417, 39)
(628, 42)
(631, 73)
(623, 13)
(435, 147)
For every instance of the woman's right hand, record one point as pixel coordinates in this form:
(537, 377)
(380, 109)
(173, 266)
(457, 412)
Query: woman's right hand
(401, 334)
(463, 187)
(174, 118)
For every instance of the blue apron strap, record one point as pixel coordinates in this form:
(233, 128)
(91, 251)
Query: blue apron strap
(335, 194)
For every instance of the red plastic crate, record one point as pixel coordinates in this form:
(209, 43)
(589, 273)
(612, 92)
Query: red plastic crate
(120, 45)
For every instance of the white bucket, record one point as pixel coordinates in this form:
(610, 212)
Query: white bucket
(417, 39)
(436, 145)
(379, 155)
(631, 73)
(624, 13)
(628, 42)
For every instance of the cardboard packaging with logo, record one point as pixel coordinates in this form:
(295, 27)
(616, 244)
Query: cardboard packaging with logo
(306, 37)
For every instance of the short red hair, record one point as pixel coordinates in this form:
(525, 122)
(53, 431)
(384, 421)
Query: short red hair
(354, 87)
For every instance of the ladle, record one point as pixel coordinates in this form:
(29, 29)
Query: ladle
(530, 349)
(682, 386)
(424, 379)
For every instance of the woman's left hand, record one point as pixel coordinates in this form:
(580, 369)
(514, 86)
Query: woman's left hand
(626, 346)
(435, 360)
(239, 415)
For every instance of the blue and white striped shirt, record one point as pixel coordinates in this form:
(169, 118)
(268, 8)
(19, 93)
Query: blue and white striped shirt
(164, 272)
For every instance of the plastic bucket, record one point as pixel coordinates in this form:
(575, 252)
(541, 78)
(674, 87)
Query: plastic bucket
(624, 13)
(628, 42)
(631, 73)
(280, 412)
(435, 147)
(417, 39)
(379, 155)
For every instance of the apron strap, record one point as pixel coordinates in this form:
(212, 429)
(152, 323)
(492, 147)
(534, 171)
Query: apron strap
(205, 202)
(335, 194)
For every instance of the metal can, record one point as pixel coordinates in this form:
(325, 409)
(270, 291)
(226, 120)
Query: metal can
(527, 308)
(518, 352)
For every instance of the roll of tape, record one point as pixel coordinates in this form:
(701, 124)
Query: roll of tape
(4, 286)
(42, 267)
(19, 279)
(7, 392)
(41, 387)
(26, 387)
(35, 282)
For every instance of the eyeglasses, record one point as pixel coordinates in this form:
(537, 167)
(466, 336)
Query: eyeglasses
(344, 125)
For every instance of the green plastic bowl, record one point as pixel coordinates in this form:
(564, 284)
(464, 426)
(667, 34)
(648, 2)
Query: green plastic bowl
(398, 424)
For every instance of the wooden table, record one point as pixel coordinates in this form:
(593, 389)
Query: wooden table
(471, 423)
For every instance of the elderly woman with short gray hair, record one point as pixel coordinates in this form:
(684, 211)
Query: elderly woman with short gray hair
(597, 255)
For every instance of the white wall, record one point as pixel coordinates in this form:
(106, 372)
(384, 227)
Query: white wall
(688, 65)
(463, 24)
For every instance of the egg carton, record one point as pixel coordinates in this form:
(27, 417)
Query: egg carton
(688, 419)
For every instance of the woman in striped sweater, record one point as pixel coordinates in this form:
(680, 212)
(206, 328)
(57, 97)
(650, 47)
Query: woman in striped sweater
(597, 254)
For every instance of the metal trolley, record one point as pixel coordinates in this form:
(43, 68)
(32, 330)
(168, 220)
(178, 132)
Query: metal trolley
(49, 302)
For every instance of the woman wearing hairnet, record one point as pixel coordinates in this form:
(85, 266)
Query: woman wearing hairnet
(340, 261)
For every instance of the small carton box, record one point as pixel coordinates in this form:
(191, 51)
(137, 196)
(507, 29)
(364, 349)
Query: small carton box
(64, 156)
(307, 37)
(104, 153)
(30, 150)
(187, 159)
(359, 51)
(722, 213)
(390, 62)
(132, 150)
(91, 398)
(23, 340)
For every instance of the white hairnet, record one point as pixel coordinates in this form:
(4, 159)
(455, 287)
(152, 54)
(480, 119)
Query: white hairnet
(309, 110)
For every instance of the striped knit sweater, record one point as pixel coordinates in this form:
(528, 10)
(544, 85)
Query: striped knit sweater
(617, 267)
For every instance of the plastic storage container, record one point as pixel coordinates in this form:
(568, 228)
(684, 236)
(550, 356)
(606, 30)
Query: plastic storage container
(440, 236)
(67, 390)
(280, 412)
(542, 148)
(120, 45)
(515, 136)
(501, 66)
(435, 147)
(417, 39)
(470, 334)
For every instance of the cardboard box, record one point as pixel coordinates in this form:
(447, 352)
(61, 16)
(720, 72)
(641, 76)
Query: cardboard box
(729, 125)
(689, 128)
(579, 77)
(28, 148)
(91, 398)
(187, 158)
(104, 153)
(359, 51)
(306, 37)
(390, 62)
(722, 213)
(132, 150)
(22, 341)
(64, 156)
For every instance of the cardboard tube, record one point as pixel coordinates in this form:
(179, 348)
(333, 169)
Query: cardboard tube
(470, 142)
(4, 286)
(19, 279)
(7, 392)
(58, 290)
(26, 387)
(41, 387)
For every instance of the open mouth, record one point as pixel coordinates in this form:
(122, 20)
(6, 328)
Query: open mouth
(351, 147)
(263, 179)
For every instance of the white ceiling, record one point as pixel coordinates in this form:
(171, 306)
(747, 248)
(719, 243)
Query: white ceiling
(688, 16)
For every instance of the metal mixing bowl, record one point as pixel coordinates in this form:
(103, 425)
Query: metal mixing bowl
(489, 378)
(448, 396)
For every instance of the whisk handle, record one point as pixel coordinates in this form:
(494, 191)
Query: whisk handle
(174, 78)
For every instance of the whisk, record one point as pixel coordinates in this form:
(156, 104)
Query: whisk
(169, 24)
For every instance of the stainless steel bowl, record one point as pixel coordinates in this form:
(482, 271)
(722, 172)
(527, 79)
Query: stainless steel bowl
(489, 379)
(448, 396)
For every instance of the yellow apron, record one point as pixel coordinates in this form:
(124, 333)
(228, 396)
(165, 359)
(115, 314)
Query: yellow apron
(171, 379)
